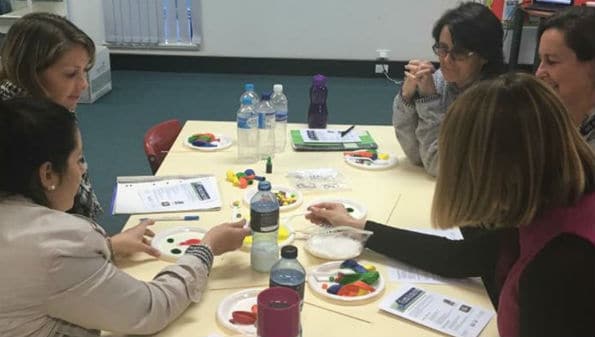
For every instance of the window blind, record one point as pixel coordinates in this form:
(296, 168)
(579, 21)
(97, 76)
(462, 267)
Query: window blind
(152, 23)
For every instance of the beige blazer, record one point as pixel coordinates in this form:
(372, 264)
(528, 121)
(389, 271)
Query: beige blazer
(56, 278)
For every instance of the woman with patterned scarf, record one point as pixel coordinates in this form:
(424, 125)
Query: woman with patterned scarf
(46, 56)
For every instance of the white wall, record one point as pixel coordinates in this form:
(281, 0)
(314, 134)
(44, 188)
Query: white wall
(310, 29)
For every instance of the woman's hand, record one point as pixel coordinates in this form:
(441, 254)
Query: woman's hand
(134, 240)
(334, 214)
(425, 80)
(226, 237)
(410, 81)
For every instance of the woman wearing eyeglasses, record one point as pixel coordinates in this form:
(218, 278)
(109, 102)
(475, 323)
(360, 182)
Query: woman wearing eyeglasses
(468, 43)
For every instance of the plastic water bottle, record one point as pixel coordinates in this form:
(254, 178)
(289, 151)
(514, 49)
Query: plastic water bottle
(318, 112)
(279, 103)
(249, 92)
(266, 126)
(289, 272)
(264, 222)
(247, 121)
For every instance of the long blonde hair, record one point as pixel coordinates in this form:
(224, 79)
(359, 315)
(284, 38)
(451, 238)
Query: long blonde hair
(34, 43)
(508, 151)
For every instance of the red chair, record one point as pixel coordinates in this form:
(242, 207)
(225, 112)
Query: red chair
(158, 141)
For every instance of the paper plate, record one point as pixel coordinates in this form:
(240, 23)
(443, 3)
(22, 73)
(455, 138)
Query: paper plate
(328, 268)
(276, 189)
(368, 164)
(286, 237)
(223, 143)
(171, 242)
(355, 209)
(333, 247)
(242, 300)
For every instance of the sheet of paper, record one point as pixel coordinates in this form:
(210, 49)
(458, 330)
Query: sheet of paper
(435, 311)
(400, 272)
(329, 136)
(165, 194)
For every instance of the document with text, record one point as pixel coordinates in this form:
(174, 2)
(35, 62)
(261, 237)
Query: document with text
(438, 312)
(153, 194)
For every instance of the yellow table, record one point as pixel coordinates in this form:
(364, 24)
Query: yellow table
(400, 196)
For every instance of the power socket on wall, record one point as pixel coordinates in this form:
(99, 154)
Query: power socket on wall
(381, 66)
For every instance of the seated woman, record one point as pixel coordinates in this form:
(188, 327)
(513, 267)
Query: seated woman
(58, 277)
(513, 159)
(46, 56)
(468, 42)
(567, 53)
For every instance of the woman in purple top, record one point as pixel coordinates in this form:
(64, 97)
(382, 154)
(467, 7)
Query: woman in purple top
(513, 159)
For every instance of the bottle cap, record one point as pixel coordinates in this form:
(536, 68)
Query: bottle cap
(266, 96)
(319, 80)
(264, 185)
(246, 100)
(278, 88)
(289, 252)
(248, 87)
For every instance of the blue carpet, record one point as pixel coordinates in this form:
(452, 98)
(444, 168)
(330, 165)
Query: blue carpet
(113, 127)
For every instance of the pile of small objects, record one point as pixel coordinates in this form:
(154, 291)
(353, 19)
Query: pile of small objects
(285, 198)
(356, 283)
(370, 154)
(242, 179)
(203, 140)
(244, 317)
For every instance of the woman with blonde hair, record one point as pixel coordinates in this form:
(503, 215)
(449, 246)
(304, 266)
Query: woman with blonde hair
(511, 158)
(46, 56)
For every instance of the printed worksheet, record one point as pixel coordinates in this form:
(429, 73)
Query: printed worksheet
(435, 311)
(165, 194)
(329, 136)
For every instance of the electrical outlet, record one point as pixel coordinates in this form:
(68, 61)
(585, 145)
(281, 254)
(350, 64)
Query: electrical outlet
(380, 68)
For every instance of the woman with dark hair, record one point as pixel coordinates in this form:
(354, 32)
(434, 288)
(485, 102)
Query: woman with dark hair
(567, 52)
(46, 56)
(468, 43)
(512, 158)
(58, 277)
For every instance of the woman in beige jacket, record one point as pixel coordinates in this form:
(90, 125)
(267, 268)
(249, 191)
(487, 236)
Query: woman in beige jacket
(57, 277)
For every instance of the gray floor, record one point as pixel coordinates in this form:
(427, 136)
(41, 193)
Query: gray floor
(114, 126)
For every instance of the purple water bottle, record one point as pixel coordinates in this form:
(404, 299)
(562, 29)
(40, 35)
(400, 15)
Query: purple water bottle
(318, 112)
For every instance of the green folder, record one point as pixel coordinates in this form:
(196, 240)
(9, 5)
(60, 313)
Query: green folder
(365, 142)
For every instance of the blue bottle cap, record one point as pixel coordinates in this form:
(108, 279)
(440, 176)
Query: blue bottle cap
(246, 100)
(264, 185)
(266, 96)
(249, 87)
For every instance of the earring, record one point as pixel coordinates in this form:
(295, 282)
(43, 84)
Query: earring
(52, 188)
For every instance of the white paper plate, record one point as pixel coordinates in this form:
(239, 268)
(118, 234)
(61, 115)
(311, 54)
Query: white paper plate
(223, 143)
(358, 211)
(327, 247)
(176, 235)
(316, 286)
(242, 300)
(368, 164)
(247, 244)
(299, 198)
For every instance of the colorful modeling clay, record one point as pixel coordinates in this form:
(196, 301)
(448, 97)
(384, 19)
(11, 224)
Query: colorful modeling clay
(203, 140)
(351, 285)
